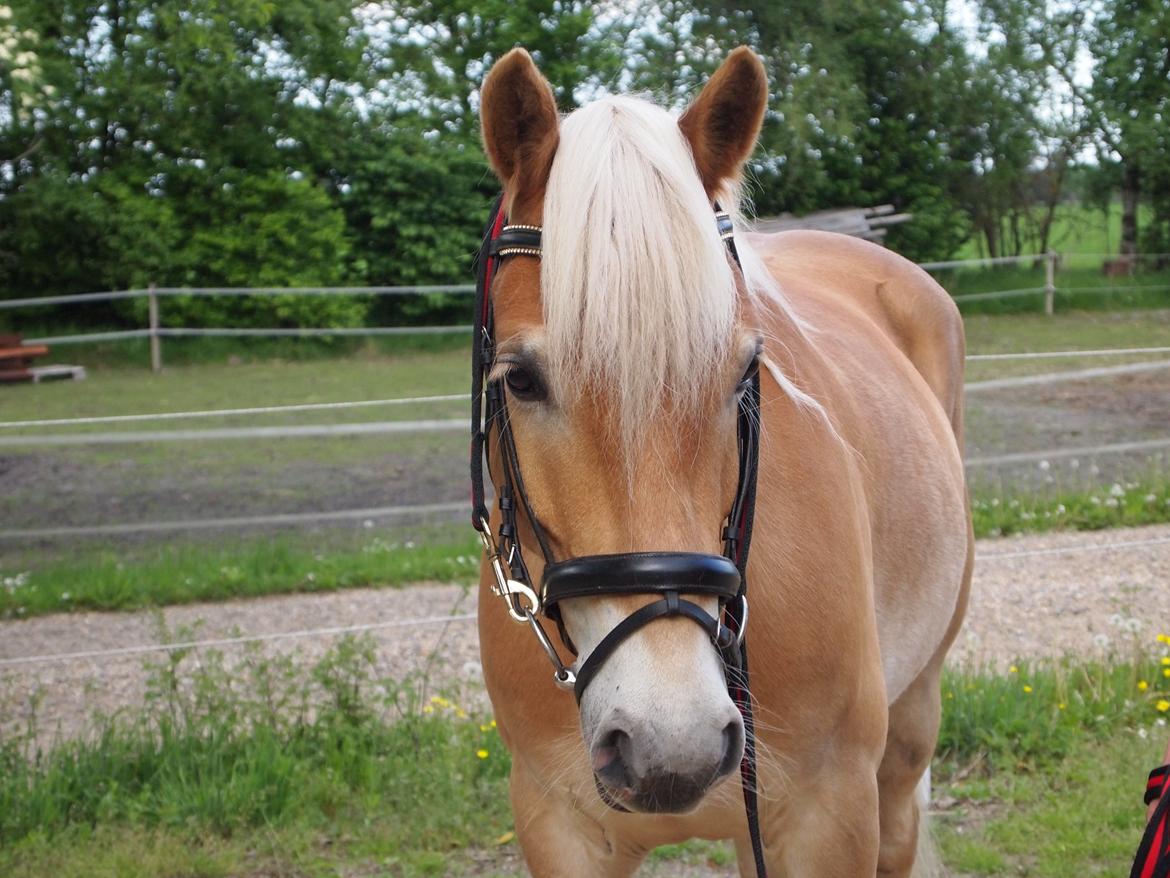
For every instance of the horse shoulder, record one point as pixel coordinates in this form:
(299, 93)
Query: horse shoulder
(899, 298)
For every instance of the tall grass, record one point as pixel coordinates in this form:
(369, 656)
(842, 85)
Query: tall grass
(1033, 715)
(335, 766)
(222, 748)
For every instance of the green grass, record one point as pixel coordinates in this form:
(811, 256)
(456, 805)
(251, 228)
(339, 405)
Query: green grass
(261, 768)
(1129, 505)
(266, 382)
(167, 574)
(1083, 237)
(247, 758)
(1044, 766)
(177, 352)
(1076, 330)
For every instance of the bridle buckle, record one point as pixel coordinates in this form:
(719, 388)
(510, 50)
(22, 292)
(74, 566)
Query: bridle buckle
(511, 590)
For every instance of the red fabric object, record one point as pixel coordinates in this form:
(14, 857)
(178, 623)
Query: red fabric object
(1153, 856)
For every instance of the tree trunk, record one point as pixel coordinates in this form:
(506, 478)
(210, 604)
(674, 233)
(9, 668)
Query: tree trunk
(1130, 193)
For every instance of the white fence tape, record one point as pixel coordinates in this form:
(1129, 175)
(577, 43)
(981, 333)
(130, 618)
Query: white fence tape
(225, 413)
(1069, 375)
(146, 649)
(1060, 453)
(1071, 550)
(303, 431)
(1068, 354)
(371, 513)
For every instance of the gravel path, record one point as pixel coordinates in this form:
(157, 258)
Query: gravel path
(1033, 596)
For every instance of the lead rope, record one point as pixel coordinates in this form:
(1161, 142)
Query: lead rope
(737, 672)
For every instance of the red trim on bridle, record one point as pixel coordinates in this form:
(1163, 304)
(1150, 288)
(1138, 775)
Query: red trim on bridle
(497, 227)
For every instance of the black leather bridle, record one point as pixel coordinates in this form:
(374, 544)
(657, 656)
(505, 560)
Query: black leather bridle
(668, 574)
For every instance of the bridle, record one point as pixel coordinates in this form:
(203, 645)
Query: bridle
(667, 574)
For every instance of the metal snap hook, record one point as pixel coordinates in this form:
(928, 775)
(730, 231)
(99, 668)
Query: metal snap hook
(562, 676)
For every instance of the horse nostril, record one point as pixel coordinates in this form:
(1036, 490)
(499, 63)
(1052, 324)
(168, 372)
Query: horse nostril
(732, 747)
(609, 758)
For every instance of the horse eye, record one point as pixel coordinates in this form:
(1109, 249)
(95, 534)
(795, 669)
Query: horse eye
(523, 384)
(749, 374)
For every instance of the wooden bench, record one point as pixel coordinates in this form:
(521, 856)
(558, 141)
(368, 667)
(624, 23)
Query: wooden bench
(16, 362)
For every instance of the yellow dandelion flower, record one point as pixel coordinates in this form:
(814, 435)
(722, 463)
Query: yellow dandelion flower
(482, 753)
(1143, 685)
(1166, 660)
(428, 709)
(1028, 689)
(1166, 672)
(1164, 638)
(1013, 670)
(483, 727)
(492, 724)
(1061, 706)
(1163, 705)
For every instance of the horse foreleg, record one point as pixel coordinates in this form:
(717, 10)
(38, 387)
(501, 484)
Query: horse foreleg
(562, 841)
(828, 830)
(910, 741)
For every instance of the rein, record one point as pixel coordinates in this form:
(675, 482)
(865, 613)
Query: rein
(668, 574)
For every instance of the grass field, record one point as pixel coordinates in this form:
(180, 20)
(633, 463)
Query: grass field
(271, 771)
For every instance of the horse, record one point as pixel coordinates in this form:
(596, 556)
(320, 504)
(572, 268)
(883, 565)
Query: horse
(630, 319)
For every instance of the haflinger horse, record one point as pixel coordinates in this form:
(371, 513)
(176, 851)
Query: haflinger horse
(638, 352)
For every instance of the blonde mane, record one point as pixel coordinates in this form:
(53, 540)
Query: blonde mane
(638, 294)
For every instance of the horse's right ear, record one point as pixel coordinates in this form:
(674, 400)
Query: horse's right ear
(724, 121)
(518, 115)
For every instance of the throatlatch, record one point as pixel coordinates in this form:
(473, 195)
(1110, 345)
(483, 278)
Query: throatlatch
(669, 574)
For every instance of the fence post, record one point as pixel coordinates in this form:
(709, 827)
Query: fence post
(1049, 283)
(155, 341)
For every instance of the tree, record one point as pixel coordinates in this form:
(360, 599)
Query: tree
(1131, 91)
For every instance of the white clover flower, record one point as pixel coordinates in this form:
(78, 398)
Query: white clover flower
(1116, 490)
(1111, 502)
(1045, 465)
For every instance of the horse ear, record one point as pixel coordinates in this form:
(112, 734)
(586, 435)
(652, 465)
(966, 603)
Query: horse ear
(518, 115)
(724, 121)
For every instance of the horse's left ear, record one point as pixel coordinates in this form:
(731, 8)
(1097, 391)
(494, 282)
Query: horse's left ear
(724, 121)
